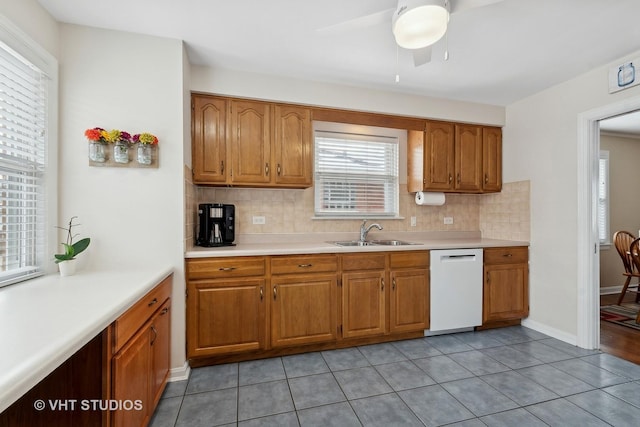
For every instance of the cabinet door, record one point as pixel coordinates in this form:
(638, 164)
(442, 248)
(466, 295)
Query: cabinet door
(209, 139)
(468, 160)
(439, 156)
(131, 378)
(303, 310)
(363, 304)
(506, 292)
(250, 142)
(292, 146)
(225, 316)
(492, 159)
(160, 350)
(409, 307)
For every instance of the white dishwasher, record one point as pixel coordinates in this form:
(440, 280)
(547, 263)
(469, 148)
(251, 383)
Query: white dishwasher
(456, 289)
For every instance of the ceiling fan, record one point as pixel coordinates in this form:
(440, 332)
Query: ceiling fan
(416, 24)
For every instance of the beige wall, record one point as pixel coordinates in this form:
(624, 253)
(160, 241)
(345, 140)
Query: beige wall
(542, 143)
(624, 209)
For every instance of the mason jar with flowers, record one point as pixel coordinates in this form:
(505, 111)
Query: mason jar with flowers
(97, 145)
(146, 143)
(121, 141)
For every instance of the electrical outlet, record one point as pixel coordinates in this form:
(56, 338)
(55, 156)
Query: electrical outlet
(259, 220)
(413, 221)
(448, 220)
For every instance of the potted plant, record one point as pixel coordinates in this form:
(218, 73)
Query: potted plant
(67, 261)
(97, 143)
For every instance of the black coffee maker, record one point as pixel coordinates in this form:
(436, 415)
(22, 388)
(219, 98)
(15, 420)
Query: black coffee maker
(217, 225)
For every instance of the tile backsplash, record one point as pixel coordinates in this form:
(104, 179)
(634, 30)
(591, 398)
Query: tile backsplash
(502, 215)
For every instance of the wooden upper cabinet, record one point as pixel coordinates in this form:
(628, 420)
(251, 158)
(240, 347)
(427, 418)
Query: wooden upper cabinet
(209, 139)
(292, 146)
(439, 160)
(468, 158)
(250, 142)
(454, 158)
(492, 159)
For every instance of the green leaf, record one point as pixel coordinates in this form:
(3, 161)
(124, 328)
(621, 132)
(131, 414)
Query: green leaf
(81, 245)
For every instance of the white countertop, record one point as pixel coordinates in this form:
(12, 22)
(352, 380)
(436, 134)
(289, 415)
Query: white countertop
(44, 321)
(318, 243)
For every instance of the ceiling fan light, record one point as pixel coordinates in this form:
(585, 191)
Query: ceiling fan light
(421, 26)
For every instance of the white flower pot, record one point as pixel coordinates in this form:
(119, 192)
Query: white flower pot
(67, 268)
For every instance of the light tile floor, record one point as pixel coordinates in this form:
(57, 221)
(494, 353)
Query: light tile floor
(501, 377)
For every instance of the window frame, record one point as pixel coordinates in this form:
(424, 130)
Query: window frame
(604, 201)
(18, 41)
(360, 132)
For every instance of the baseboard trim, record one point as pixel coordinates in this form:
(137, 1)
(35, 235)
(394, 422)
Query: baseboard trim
(552, 332)
(610, 290)
(180, 374)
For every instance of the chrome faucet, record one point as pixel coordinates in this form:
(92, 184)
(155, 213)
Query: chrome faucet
(364, 230)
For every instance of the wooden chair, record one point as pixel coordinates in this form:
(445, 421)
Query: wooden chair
(623, 241)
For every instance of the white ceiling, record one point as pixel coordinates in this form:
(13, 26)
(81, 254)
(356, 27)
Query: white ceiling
(498, 54)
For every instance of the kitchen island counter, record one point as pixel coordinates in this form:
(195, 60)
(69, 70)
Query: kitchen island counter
(44, 321)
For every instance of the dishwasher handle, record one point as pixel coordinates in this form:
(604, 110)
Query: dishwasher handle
(464, 257)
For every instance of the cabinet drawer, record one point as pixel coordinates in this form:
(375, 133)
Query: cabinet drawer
(369, 261)
(133, 319)
(214, 268)
(304, 264)
(508, 255)
(409, 259)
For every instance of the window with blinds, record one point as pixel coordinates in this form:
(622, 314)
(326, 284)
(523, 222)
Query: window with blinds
(23, 101)
(355, 175)
(603, 199)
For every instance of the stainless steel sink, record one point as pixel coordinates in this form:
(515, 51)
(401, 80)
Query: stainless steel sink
(373, 243)
(352, 243)
(391, 243)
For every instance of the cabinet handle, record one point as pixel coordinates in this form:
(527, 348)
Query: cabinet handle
(164, 311)
(155, 334)
(382, 284)
(266, 168)
(458, 177)
(488, 278)
(221, 167)
(450, 177)
(486, 178)
(279, 169)
(261, 293)
(393, 284)
(153, 301)
(305, 265)
(226, 268)
(508, 255)
(275, 293)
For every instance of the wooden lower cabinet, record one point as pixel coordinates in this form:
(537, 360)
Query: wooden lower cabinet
(140, 365)
(409, 295)
(303, 309)
(363, 304)
(409, 302)
(506, 284)
(226, 316)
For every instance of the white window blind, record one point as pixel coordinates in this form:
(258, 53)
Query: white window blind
(356, 175)
(23, 92)
(603, 198)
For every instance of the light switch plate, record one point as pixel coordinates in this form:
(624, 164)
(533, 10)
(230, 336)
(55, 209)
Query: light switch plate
(259, 220)
(448, 220)
(413, 221)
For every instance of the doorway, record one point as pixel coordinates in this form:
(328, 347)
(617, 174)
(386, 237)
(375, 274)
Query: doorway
(588, 243)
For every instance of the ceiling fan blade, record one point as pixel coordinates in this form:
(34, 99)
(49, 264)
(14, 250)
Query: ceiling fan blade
(376, 18)
(421, 56)
(460, 5)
